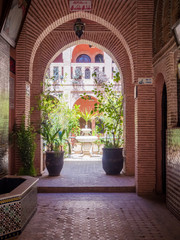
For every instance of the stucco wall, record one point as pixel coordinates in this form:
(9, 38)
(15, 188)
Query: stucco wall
(4, 106)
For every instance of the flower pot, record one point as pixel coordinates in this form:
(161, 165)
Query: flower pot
(112, 160)
(54, 162)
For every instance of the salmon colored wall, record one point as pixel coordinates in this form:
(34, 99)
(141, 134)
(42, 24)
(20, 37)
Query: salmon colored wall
(86, 104)
(85, 49)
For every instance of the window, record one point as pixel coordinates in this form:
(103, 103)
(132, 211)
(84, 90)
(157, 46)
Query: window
(83, 58)
(87, 73)
(78, 73)
(56, 73)
(99, 58)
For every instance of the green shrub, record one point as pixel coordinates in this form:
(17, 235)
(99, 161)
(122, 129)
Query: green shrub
(25, 140)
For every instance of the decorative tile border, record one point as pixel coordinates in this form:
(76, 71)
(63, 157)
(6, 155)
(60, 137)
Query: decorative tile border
(10, 215)
(9, 200)
(16, 211)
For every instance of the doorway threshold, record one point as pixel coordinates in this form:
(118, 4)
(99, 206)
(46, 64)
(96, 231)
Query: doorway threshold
(85, 175)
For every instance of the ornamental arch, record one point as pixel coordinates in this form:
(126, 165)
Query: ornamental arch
(50, 54)
(119, 27)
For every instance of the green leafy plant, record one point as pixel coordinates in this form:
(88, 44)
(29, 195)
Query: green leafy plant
(49, 126)
(110, 109)
(57, 120)
(87, 115)
(25, 140)
(72, 123)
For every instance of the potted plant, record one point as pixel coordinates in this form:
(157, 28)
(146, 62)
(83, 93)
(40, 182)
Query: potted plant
(58, 121)
(51, 131)
(53, 138)
(110, 108)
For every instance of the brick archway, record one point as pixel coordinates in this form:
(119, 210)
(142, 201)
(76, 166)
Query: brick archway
(125, 29)
(84, 41)
(38, 77)
(44, 57)
(73, 16)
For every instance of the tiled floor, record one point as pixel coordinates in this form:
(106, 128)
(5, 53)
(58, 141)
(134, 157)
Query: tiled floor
(97, 216)
(101, 216)
(85, 171)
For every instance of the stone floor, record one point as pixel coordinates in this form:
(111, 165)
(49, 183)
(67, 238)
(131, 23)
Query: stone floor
(101, 216)
(85, 173)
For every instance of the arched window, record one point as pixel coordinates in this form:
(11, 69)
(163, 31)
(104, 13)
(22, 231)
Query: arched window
(99, 58)
(83, 58)
(87, 73)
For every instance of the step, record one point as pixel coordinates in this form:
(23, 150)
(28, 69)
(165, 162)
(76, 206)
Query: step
(87, 189)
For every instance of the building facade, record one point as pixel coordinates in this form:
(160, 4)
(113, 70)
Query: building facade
(72, 71)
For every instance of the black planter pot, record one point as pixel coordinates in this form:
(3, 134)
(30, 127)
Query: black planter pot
(112, 160)
(54, 162)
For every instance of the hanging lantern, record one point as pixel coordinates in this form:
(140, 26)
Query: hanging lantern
(79, 27)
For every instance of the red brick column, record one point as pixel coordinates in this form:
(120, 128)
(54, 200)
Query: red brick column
(145, 142)
(145, 139)
(129, 134)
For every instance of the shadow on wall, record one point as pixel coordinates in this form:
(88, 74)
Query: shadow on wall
(4, 106)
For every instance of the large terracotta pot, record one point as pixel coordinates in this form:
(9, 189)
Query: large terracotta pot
(112, 160)
(54, 162)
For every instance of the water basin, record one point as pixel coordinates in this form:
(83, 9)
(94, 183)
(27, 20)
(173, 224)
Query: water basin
(89, 139)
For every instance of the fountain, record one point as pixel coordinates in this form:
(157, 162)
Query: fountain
(86, 140)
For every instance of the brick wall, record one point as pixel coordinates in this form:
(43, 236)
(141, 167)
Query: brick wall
(166, 72)
(145, 140)
(165, 16)
(122, 27)
(4, 105)
(166, 56)
(42, 38)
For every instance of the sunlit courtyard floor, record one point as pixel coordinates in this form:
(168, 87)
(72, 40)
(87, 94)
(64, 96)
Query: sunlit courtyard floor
(84, 173)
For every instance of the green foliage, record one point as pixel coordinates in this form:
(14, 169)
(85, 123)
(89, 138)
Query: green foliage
(25, 140)
(87, 115)
(57, 119)
(110, 109)
(49, 127)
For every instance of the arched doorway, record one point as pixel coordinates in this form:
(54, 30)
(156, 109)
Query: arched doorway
(161, 126)
(129, 121)
(54, 35)
(163, 137)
